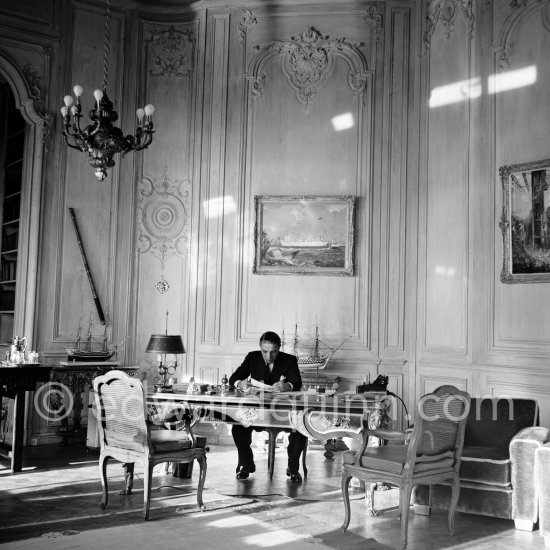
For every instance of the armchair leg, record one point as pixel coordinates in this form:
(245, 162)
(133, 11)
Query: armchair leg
(202, 477)
(455, 493)
(304, 451)
(147, 479)
(345, 494)
(103, 474)
(404, 506)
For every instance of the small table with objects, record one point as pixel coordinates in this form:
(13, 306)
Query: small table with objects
(15, 381)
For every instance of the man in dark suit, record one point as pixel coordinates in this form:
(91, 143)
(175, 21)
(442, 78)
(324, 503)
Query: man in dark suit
(279, 370)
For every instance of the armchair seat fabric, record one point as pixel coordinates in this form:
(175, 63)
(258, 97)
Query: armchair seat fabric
(497, 466)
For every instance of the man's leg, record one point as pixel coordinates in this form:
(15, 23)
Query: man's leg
(243, 439)
(296, 444)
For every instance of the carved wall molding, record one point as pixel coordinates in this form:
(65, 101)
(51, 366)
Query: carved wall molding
(171, 52)
(506, 42)
(374, 18)
(446, 12)
(308, 61)
(248, 18)
(163, 220)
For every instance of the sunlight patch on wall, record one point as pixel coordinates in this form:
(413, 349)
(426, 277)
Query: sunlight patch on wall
(510, 80)
(445, 271)
(455, 92)
(472, 88)
(219, 206)
(343, 122)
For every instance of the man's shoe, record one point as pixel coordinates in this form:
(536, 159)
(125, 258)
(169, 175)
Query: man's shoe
(244, 472)
(296, 478)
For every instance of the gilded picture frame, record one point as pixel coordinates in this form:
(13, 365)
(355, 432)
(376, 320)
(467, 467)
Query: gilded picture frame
(525, 222)
(304, 235)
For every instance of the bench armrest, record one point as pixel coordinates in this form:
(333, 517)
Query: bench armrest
(522, 457)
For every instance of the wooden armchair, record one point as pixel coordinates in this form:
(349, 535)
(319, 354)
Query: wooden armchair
(430, 456)
(126, 436)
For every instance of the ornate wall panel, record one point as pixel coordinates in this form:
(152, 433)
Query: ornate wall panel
(520, 321)
(444, 269)
(394, 191)
(302, 70)
(95, 205)
(166, 194)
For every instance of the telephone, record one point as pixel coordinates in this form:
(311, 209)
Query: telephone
(380, 384)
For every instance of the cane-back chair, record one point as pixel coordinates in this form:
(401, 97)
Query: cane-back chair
(126, 436)
(431, 455)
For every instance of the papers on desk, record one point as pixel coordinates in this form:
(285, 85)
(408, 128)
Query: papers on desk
(260, 385)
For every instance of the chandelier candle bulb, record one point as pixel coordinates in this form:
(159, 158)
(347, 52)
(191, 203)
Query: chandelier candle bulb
(140, 113)
(78, 91)
(68, 99)
(149, 110)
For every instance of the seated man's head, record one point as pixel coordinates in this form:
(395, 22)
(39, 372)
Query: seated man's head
(270, 343)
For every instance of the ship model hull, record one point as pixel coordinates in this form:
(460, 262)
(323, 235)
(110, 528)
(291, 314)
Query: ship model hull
(90, 356)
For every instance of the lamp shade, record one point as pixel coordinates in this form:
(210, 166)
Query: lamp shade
(165, 343)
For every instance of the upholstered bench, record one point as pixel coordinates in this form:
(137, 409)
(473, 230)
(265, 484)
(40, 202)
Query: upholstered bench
(498, 461)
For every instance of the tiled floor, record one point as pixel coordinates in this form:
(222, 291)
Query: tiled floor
(54, 503)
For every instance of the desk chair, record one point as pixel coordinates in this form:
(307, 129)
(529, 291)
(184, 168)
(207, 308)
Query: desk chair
(125, 436)
(432, 454)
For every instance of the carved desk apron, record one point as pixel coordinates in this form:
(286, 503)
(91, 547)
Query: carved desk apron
(315, 416)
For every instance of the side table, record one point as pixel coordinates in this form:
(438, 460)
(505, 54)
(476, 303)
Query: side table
(15, 381)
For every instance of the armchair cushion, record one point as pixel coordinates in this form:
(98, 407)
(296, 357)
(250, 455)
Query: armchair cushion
(167, 441)
(392, 458)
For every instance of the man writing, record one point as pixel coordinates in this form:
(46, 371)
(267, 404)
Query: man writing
(279, 370)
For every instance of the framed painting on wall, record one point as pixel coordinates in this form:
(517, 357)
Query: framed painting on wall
(304, 235)
(525, 222)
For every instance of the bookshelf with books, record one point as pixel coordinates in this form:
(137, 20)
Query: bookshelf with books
(12, 133)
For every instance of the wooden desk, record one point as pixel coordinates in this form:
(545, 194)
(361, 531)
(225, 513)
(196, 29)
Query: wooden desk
(15, 381)
(78, 377)
(315, 416)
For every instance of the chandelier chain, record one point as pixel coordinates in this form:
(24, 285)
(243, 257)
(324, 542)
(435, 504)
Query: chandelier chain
(107, 48)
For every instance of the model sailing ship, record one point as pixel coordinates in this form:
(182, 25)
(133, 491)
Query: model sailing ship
(315, 358)
(83, 349)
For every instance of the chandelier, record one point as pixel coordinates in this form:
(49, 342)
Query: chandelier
(101, 139)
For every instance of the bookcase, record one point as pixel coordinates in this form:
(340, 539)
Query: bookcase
(12, 146)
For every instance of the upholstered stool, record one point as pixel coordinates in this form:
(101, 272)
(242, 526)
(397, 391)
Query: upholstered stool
(542, 485)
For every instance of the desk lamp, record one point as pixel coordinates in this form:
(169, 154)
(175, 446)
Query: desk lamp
(163, 345)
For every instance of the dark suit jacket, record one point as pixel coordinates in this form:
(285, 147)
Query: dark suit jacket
(254, 366)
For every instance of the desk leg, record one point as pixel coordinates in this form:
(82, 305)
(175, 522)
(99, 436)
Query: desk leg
(18, 432)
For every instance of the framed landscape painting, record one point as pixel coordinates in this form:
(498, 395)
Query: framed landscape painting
(304, 235)
(525, 222)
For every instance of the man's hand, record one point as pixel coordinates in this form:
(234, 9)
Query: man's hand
(281, 386)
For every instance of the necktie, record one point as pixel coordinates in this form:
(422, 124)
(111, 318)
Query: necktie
(267, 374)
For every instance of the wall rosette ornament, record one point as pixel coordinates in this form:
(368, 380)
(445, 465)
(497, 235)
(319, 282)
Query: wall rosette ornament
(171, 52)
(308, 61)
(163, 220)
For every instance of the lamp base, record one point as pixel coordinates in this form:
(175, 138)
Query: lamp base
(161, 388)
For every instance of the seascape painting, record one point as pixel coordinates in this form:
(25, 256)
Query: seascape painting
(304, 235)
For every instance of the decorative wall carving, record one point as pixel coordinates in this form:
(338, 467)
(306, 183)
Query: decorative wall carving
(33, 80)
(308, 61)
(247, 20)
(163, 220)
(374, 18)
(171, 52)
(446, 11)
(505, 44)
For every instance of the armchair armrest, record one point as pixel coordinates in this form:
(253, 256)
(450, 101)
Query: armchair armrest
(522, 458)
(388, 435)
